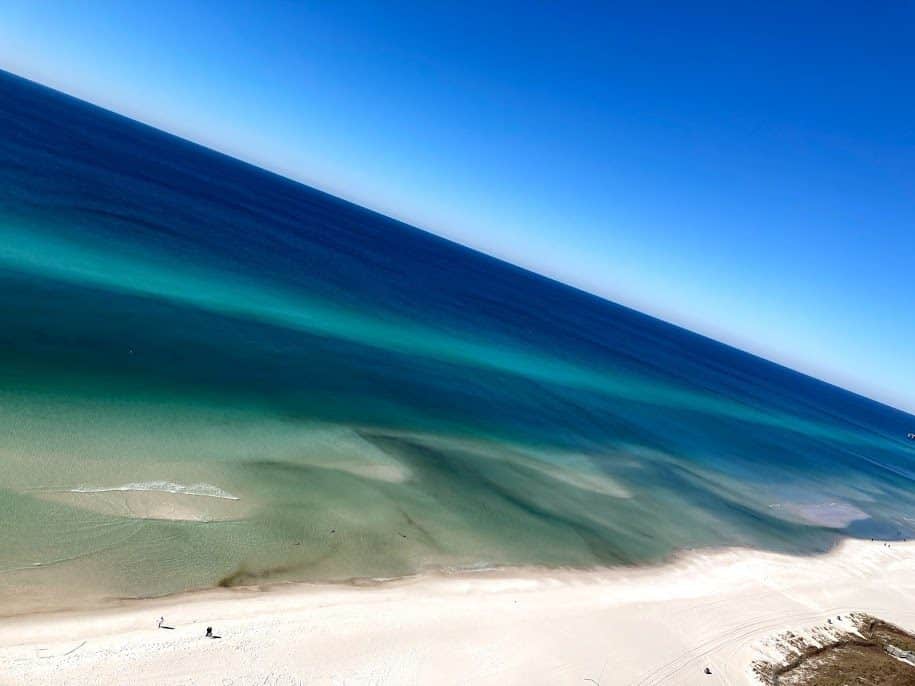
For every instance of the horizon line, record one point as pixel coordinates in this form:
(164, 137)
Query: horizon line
(286, 176)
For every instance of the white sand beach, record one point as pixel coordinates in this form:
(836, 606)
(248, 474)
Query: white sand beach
(660, 625)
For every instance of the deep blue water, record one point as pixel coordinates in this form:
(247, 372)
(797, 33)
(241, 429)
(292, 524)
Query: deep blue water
(212, 374)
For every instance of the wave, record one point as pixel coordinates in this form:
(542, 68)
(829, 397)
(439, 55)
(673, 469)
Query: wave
(202, 489)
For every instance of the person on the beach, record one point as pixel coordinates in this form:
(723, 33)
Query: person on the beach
(161, 620)
(209, 632)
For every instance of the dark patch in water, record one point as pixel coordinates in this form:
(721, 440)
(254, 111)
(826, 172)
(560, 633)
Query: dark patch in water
(245, 576)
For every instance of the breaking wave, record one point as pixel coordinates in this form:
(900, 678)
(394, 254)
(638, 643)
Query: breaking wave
(205, 490)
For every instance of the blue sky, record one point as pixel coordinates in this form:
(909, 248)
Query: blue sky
(744, 170)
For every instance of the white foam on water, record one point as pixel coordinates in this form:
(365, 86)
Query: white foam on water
(201, 489)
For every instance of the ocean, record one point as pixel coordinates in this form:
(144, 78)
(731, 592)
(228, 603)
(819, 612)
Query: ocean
(214, 376)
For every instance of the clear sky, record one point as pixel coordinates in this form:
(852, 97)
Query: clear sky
(746, 170)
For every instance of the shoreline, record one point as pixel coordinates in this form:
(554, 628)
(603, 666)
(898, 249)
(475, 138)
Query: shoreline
(102, 603)
(643, 624)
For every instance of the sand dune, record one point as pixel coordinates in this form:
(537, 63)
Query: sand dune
(641, 626)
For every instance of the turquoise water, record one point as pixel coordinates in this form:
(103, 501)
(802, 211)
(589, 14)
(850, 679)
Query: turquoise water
(212, 375)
